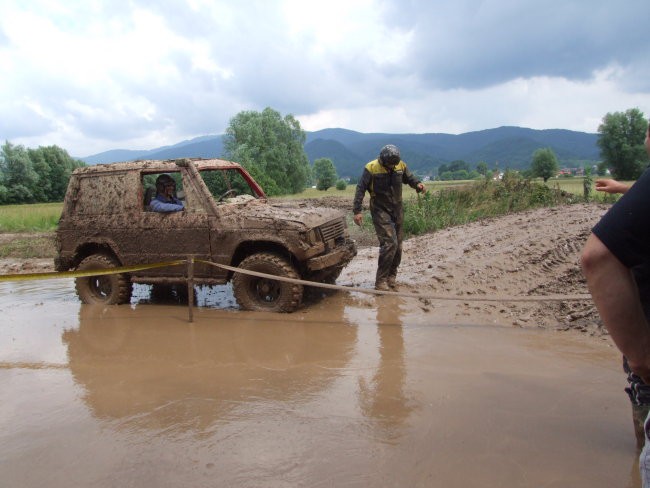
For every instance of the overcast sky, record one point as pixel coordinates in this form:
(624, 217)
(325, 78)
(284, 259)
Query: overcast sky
(95, 75)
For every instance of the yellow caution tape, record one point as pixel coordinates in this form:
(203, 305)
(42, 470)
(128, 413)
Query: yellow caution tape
(87, 272)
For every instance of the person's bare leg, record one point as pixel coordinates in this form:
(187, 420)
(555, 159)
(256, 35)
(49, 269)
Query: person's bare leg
(616, 296)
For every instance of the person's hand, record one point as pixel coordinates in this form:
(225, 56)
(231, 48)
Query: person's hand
(358, 219)
(420, 188)
(611, 186)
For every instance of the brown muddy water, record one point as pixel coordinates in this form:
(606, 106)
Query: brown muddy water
(350, 391)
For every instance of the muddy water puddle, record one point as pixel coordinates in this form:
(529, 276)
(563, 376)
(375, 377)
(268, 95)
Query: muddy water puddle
(351, 391)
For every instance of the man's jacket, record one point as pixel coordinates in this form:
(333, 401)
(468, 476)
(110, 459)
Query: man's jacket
(384, 186)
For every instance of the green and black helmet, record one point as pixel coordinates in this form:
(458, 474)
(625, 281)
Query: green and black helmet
(389, 156)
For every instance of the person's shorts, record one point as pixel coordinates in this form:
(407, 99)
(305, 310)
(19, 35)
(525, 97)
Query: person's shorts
(625, 228)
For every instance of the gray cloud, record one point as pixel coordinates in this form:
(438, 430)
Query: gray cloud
(139, 74)
(470, 44)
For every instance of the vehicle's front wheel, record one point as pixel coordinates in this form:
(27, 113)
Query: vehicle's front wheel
(113, 289)
(256, 293)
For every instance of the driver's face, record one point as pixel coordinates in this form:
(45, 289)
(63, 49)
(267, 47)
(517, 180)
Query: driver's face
(169, 189)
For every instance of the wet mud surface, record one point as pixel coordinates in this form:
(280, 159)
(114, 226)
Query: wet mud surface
(352, 390)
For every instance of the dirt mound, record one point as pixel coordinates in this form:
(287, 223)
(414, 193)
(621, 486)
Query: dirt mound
(530, 253)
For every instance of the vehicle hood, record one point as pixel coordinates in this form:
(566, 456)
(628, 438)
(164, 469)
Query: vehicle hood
(285, 215)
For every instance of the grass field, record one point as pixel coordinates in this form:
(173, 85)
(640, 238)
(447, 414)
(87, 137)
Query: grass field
(570, 185)
(349, 191)
(42, 217)
(37, 217)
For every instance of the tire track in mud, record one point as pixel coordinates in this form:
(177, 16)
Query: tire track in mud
(530, 253)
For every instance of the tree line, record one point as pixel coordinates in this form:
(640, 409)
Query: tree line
(621, 137)
(34, 175)
(271, 148)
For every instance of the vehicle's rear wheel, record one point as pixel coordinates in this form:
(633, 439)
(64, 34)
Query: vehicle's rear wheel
(255, 293)
(113, 289)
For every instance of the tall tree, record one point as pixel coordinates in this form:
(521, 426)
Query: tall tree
(18, 175)
(271, 148)
(324, 173)
(621, 143)
(34, 175)
(42, 189)
(544, 164)
(61, 165)
(458, 165)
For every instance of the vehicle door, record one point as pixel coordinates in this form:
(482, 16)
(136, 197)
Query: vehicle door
(169, 236)
(230, 193)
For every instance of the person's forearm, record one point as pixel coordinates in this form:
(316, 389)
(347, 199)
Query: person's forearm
(611, 186)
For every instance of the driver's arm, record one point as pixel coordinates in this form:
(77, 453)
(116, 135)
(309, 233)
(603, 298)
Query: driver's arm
(158, 206)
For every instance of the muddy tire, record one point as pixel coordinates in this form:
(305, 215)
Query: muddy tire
(255, 293)
(112, 289)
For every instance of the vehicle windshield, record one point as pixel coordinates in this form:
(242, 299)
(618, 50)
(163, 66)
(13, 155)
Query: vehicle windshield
(226, 183)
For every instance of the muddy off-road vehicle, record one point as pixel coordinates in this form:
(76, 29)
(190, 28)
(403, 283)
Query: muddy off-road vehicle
(107, 222)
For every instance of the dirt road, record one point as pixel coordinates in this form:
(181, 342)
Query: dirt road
(529, 253)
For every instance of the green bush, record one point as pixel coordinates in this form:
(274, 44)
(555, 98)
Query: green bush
(456, 206)
(341, 185)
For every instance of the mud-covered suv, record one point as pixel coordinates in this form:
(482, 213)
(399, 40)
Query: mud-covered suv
(107, 222)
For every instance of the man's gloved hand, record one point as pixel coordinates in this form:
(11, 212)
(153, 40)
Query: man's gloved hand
(420, 188)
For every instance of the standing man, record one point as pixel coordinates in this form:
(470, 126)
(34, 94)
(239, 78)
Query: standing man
(383, 179)
(619, 242)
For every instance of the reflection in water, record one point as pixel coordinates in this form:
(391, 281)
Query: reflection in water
(155, 372)
(217, 296)
(136, 396)
(384, 398)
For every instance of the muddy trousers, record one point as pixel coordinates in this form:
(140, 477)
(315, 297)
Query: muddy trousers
(390, 235)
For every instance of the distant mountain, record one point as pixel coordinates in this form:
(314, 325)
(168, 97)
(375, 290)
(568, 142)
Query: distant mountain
(507, 147)
(345, 160)
(113, 156)
(199, 147)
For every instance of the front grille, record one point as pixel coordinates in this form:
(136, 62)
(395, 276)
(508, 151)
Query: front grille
(332, 230)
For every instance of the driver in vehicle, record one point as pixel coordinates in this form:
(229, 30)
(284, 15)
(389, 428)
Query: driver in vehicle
(165, 199)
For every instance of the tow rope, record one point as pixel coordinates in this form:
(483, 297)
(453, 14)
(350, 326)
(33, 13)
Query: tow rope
(315, 284)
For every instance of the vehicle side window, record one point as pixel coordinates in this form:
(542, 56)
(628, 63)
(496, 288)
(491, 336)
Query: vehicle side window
(149, 190)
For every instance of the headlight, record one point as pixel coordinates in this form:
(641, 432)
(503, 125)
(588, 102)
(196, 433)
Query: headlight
(313, 236)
